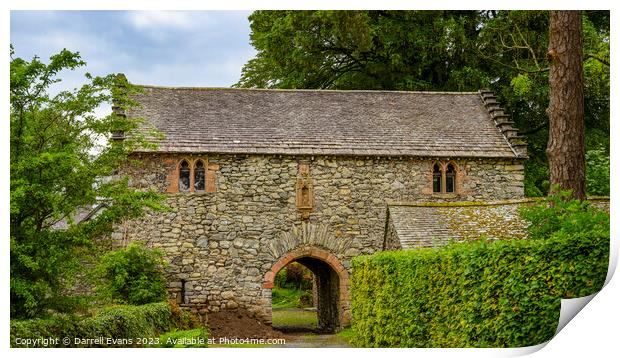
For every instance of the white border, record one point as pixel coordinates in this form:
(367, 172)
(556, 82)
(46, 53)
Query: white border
(592, 331)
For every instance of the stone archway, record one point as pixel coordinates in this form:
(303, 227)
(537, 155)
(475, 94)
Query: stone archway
(332, 280)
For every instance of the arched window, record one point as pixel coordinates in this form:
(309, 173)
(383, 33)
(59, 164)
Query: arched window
(450, 178)
(436, 178)
(199, 176)
(184, 173)
(445, 177)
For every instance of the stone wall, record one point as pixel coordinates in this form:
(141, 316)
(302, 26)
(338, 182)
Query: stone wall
(221, 244)
(391, 239)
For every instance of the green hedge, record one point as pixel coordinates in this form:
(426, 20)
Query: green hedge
(479, 294)
(121, 323)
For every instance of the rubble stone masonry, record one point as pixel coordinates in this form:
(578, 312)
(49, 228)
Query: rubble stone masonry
(221, 244)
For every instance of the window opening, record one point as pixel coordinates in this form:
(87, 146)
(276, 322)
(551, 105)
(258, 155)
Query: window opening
(184, 176)
(199, 176)
(450, 176)
(436, 179)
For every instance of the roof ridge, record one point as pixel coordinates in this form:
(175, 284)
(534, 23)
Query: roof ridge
(299, 90)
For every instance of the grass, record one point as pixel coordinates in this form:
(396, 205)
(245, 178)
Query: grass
(294, 318)
(347, 334)
(286, 297)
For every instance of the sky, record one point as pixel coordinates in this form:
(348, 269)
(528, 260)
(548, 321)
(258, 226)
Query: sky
(167, 48)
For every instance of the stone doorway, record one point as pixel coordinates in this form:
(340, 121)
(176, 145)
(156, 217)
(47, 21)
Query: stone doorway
(332, 285)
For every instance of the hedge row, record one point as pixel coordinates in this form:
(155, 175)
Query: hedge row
(478, 294)
(122, 323)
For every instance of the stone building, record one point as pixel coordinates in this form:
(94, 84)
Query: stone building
(257, 179)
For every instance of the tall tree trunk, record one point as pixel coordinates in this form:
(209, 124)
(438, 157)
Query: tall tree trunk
(566, 149)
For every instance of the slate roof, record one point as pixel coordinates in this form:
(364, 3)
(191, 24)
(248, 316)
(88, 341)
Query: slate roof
(435, 225)
(316, 122)
(83, 213)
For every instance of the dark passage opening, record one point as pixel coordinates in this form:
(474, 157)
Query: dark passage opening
(322, 296)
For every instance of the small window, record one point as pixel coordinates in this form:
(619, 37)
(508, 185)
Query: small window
(445, 176)
(436, 179)
(183, 282)
(450, 176)
(184, 176)
(199, 176)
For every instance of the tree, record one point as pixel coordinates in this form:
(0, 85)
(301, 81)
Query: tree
(514, 42)
(566, 148)
(60, 163)
(393, 50)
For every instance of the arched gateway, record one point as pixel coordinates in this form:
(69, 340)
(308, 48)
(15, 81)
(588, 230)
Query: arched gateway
(332, 283)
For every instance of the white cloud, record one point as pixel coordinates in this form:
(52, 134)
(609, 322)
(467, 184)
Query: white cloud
(163, 26)
(173, 48)
(179, 20)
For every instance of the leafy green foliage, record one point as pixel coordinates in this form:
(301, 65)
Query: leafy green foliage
(119, 322)
(559, 216)
(294, 275)
(522, 84)
(478, 294)
(133, 275)
(536, 182)
(597, 172)
(62, 162)
(408, 50)
(293, 287)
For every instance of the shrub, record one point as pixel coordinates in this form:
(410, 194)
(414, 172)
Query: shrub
(129, 321)
(597, 172)
(132, 275)
(184, 319)
(536, 181)
(476, 294)
(305, 300)
(559, 215)
(294, 275)
(280, 279)
(119, 323)
(298, 276)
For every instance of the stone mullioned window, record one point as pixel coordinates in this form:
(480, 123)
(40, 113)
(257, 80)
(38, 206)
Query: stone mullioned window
(194, 176)
(445, 177)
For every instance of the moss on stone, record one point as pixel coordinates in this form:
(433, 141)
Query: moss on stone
(464, 203)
